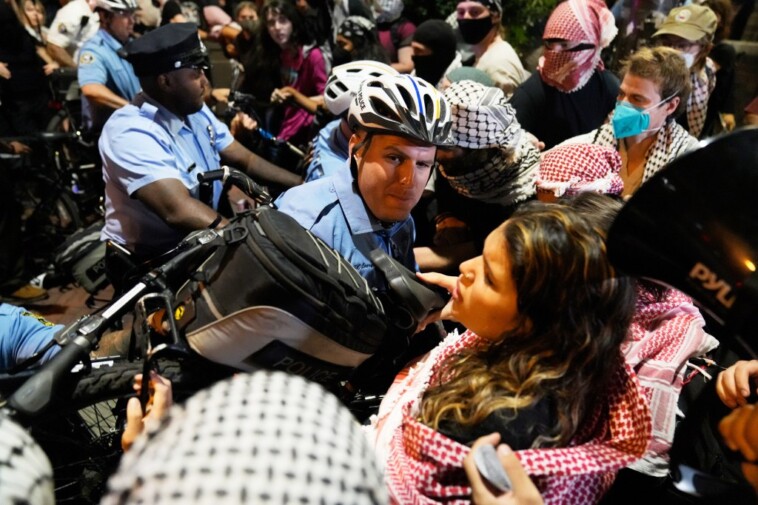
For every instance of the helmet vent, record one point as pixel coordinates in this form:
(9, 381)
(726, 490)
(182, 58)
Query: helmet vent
(383, 110)
(408, 101)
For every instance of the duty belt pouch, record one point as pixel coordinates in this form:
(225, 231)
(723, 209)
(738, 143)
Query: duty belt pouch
(82, 258)
(281, 299)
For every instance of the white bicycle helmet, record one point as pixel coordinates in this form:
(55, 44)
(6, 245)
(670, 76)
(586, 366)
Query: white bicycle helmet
(402, 105)
(116, 5)
(345, 80)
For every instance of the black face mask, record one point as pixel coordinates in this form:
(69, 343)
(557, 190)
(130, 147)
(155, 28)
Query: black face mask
(340, 56)
(469, 160)
(473, 31)
(248, 25)
(429, 68)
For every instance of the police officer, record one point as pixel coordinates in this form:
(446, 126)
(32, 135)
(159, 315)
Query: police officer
(153, 148)
(74, 24)
(107, 80)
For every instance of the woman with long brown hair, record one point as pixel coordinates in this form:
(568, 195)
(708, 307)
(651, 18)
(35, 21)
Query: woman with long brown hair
(546, 314)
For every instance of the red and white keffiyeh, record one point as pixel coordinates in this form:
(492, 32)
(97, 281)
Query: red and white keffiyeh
(424, 467)
(663, 336)
(587, 21)
(576, 168)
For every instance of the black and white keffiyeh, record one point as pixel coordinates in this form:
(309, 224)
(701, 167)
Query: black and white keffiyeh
(702, 83)
(262, 438)
(356, 27)
(26, 477)
(671, 141)
(483, 119)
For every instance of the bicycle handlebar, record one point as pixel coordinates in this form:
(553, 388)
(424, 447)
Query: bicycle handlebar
(36, 394)
(231, 176)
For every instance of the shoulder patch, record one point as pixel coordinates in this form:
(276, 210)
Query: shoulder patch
(62, 28)
(86, 58)
(39, 318)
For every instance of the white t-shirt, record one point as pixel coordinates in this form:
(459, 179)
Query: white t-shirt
(503, 66)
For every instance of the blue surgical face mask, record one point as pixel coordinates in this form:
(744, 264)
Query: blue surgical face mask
(629, 120)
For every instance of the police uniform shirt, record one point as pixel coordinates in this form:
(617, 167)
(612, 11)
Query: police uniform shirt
(332, 209)
(74, 24)
(142, 143)
(99, 63)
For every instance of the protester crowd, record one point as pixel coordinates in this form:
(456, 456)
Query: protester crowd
(436, 145)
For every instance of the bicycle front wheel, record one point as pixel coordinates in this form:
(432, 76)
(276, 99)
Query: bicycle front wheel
(82, 436)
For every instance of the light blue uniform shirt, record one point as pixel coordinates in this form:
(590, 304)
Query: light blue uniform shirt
(330, 150)
(142, 143)
(99, 63)
(22, 334)
(332, 209)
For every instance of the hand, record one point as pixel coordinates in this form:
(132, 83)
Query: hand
(4, 72)
(447, 282)
(524, 491)
(538, 144)
(49, 68)
(157, 407)
(733, 384)
(450, 230)
(729, 121)
(241, 122)
(220, 94)
(17, 147)
(281, 95)
(740, 432)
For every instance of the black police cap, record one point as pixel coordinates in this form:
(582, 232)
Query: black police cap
(170, 47)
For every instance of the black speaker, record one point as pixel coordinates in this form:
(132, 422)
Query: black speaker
(694, 227)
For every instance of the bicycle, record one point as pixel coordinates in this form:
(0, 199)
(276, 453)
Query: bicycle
(89, 395)
(56, 198)
(162, 334)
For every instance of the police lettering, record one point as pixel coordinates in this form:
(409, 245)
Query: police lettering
(711, 282)
(306, 370)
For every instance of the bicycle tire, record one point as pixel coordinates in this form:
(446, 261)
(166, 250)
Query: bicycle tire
(54, 217)
(82, 438)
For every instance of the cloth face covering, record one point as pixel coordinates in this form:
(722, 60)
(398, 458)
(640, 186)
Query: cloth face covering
(387, 11)
(439, 37)
(568, 70)
(583, 21)
(629, 120)
(473, 31)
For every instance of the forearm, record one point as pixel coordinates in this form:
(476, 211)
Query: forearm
(191, 215)
(170, 200)
(101, 95)
(44, 55)
(404, 63)
(258, 168)
(61, 56)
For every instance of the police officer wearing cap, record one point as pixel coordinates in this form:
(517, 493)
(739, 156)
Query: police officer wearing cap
(107, 80)
(154, 148)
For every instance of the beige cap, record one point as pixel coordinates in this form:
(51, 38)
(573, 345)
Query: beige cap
(692, 22)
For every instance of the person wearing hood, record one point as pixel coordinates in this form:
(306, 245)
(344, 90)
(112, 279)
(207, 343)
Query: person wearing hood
(572, 93)
(395, 33)
(479, 24)
(690, 31)
(357, 39)
(434, 53)
(490, 171)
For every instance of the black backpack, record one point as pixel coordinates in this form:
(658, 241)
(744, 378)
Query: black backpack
(277, 297)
